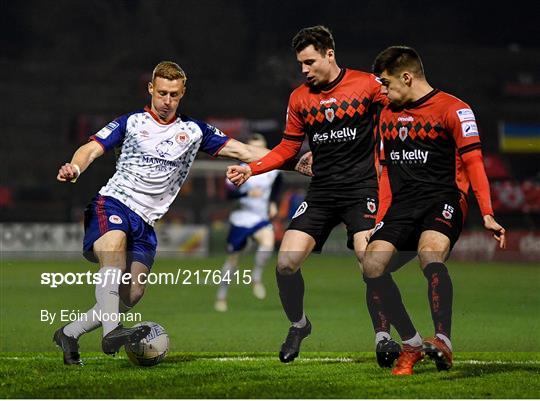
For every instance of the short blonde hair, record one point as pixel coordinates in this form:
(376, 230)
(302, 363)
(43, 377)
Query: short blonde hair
(169, 70)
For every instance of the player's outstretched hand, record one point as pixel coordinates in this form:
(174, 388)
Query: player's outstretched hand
(238, 174)
(68, 173)
(304, 164)
(499, 233)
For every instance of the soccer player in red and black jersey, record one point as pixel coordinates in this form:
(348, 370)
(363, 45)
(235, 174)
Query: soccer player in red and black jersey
(336, 109)
(432, 153)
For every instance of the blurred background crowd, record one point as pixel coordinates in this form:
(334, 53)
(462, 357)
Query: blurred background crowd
(69, 67)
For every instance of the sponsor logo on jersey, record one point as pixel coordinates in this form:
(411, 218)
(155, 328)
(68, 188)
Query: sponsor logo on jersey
(216, 131)
(144, 134)
(329, 114)
(341, 135)
(410, 156)
(107, 130)
(448, 211)
(469, 129)
(115, 219)
(164, 147)
(405, 118)
(161, 162)
(371, 206)
(301, 209)
(465, 114)
(181, 137)
(327, 101)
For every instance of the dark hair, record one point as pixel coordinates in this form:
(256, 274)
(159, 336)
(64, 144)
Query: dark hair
(395, 59)
(319, 36)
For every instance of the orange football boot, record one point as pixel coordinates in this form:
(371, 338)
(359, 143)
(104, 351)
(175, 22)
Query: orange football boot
(439, 352)
(407, 359)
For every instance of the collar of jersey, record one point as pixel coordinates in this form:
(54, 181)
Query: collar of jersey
(331, 85)
(423, 99)
(156, 118)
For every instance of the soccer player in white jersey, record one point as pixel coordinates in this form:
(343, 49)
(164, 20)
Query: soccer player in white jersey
(157, 148)
(256, 207)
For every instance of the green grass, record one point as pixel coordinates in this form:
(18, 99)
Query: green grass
(496, 337)
(235, 375)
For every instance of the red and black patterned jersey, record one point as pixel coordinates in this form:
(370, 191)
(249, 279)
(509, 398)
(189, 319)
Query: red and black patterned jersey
(339, 120)
(423, 142)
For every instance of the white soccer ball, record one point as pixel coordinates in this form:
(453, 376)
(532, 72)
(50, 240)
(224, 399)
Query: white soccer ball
(152, 349)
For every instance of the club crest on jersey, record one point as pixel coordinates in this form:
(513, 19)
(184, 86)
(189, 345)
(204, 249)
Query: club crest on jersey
(448, 212)
(115, 219)
(301, 209)
(181, 138)
(329, 114)
(403, 132)
(163, 147)
(371, 206)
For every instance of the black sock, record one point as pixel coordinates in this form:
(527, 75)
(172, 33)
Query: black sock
(440, 296)
(374, 304)
(291, 293)
(392, 304)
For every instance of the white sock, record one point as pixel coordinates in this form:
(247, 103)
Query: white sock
(85, 324)
(224, 285)
(261, 258)
(415, 342)
(301, 323)
(89, 322)
(446, 340)
(108, 299)
(381, 335)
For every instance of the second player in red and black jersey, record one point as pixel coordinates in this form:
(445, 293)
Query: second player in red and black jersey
(432, 153)
(336, 110)
(427, 145)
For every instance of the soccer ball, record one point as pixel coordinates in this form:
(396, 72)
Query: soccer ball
(152, 349)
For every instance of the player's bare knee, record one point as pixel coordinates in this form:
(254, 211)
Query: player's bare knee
(286, 266)
(110, 249)
(136, 293)
(374, 263)
(372, 267)
(428, 254)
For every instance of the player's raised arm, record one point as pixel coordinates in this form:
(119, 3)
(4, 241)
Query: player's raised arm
(285, 151)
(82, 158)
(242, 151)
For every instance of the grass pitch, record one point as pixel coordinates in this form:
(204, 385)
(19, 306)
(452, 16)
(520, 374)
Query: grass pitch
(234, 355)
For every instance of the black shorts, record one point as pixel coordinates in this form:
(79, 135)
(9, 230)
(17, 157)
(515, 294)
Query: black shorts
(318, 216)
(405, 220)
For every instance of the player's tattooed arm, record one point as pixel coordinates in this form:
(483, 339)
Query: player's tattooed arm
(303, 166)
